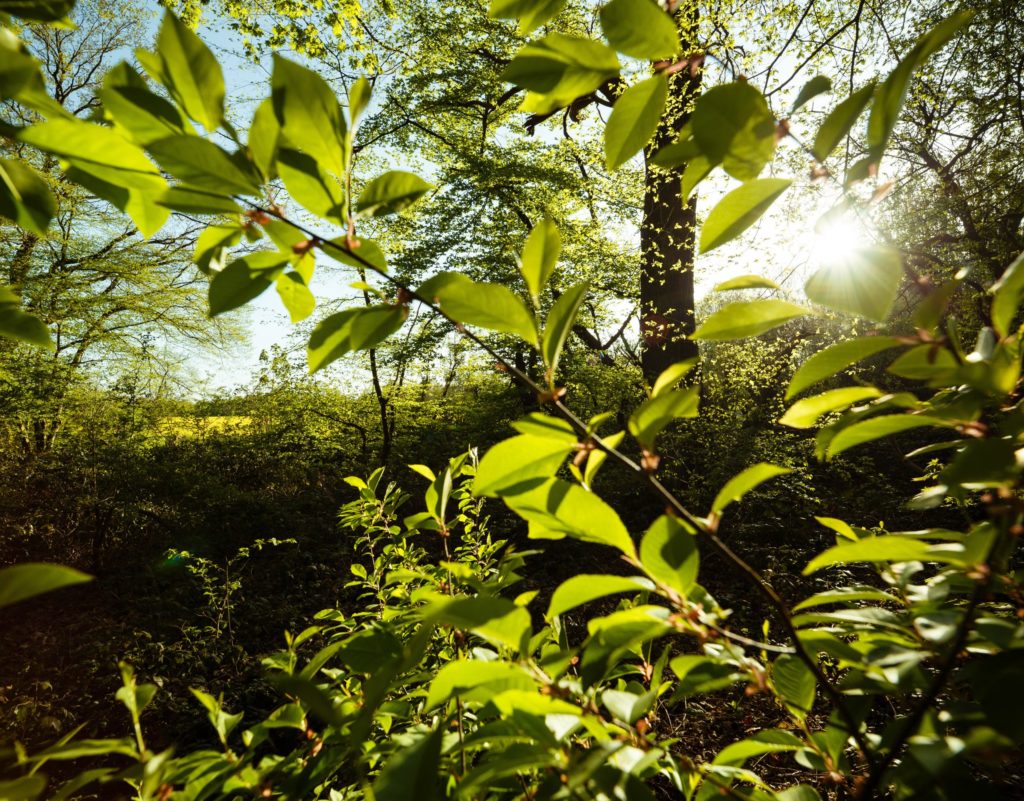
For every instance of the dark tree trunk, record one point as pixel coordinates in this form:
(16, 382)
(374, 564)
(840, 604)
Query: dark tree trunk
(668, 234)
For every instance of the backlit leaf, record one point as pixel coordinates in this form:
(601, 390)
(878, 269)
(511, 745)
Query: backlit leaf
(34, 578)
(634, 119)
(748, 318)
(740, 209)
(835, 358)
(864, 282)
(739, 485)
(390, 193)
(640, 28)
(354, 329)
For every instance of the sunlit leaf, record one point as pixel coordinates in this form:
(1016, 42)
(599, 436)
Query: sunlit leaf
(863, 282)
(748, 318)
(746, 282)
(25, 198)
(34, 578)
(839, 122)
(354, 329)
(634, 119)
(739, 210)
(20, 325)
(519, 462)
(806, 413)
(819, 84)
(733, 127)
(559, 323)
(835, 358)
(795, 683)
(390, 193)
(190, 72)
(308, 112)
(668, 553)
(530, 13)
(540, 255)
(490, 306)
(583, 589)
(739, 485)
(640, 28)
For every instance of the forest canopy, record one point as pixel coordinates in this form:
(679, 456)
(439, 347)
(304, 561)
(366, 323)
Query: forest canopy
(636, 414)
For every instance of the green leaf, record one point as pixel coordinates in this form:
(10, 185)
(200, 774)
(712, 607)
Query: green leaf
(309, 115)
(748, 318)
(201, 164)
(559, 324)
(806, 413)
(889, 98)
(798, 792)
(213, 243)
(846, 595)
(641, 29)
(244, 279)
(839, 122)
(634, 119)
(410, 774)
(197, 201)
(27, 788)
(889, 548)
(37, 10)
(519, 462)
(746, 282)
(740, 209)
(558, 69)
(865, 282)
(476, 680)
(34, 578)
(835, 358)
(190, 73)
(1006, 296)
(264, 133)
(697, 169)
(795, 683)
(628, 707)
(20, 325)
(359, 98)
(585, 588)
(497, 620)
(547, 427)
(671, 376)
(530, 13)
(491, 306)
(876, 428)
(295, 295)
(702, 674)
(819, 84)
(733, 127)
(651, 417)
(560, 508)
(25, 198)
(668, 554)
(351, 330)
(739, 485)
(771, 741)
(540, 255)
(390, 193)
(104, 152)
(141, 114)
(309, 185)
(926, 363)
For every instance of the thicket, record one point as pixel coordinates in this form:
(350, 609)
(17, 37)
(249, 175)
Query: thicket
(462, 660)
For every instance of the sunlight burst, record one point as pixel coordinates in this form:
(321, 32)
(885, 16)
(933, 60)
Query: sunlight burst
(837, 240)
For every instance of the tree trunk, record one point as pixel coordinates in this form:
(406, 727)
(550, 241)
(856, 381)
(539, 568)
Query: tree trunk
(668, 232)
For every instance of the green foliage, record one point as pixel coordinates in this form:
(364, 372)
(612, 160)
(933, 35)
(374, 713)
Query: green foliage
(440, 684)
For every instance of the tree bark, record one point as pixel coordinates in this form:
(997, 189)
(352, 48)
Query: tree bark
(668, 231)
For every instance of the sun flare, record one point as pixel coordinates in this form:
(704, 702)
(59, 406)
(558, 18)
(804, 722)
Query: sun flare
(838, 240)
